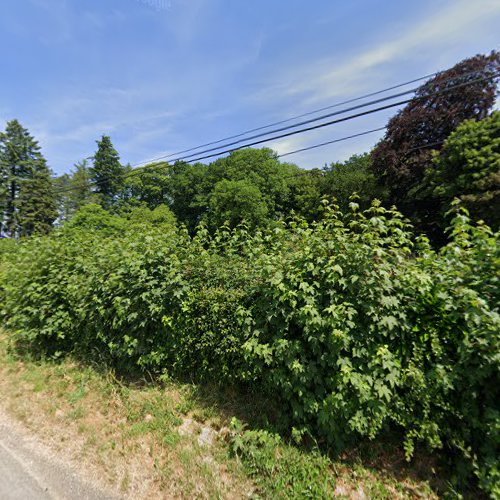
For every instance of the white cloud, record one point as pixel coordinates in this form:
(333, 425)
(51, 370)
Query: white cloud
(458, 20)
(285, 145)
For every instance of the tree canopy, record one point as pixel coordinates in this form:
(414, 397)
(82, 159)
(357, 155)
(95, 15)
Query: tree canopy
(467, 168)
(27, 198)
(400, 159)
(442, 145)
(107, 172)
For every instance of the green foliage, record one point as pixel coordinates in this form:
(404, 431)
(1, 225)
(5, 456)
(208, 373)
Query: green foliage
(281, 470)
(352, 324)
(93, 217)
(439, 107)
(235, 202)
(307, 191)
(249, 184)
(36, 204)
(353, 176)
(27, 199)
(187, 188)
(161, 215)
(107, 172)
(74, 190)
(468, 168)
(149, 185)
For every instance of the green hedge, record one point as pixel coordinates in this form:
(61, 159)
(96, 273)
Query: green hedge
(354, 324)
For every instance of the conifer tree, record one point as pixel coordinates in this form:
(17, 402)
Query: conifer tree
(36, 204)
(27, 199)
(107, 172)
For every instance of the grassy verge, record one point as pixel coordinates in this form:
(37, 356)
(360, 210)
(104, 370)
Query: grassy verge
(151, 440)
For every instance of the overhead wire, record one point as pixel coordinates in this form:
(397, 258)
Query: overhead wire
(321, 125)
(338, 120)
(321, 144)
(286, 120)
(304, 122)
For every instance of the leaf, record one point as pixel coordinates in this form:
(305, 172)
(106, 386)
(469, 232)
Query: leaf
(389, 321)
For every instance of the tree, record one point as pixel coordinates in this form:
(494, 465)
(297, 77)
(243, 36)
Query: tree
(27, 197)
(160, 216)
(196, 192)
(107, 172)
(235, 202)
(400, 159)
(93, 217)
(188, 192)
(81, 186)
(36, 204)
(306, 192)
(262, 168)
(149, 185)
(343, 179)
(468, 168)
(75, 190)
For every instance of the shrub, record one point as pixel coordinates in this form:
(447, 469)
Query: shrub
(352, 323)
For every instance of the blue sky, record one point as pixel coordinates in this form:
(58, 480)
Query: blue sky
(163, 75)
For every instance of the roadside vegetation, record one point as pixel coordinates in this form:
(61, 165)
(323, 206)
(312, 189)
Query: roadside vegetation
(181, 440)
(351, 325)
(247, 328)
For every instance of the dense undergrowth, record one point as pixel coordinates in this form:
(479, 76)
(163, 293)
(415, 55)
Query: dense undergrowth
(354, 325)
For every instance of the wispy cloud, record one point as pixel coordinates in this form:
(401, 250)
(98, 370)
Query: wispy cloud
(163, 75)
(328, 79)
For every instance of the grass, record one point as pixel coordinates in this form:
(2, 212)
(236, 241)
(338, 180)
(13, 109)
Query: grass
(152, 440)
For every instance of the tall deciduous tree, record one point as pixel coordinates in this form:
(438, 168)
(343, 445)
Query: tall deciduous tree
(75, 190)
(149, 185)
(343, 179)
(107, 172)
(400, 159)
(27, 198)
(237, 201)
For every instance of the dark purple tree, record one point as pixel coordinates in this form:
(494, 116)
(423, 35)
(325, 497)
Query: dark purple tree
(400, 159)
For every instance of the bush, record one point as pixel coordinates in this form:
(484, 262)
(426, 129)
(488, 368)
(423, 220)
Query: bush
(351, 322)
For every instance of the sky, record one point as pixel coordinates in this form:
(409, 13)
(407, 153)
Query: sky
(160, 76)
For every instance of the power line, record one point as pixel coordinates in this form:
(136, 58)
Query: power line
(353, 136)
(346, 110)
(332, 142)
(338, 120)
(321, 125)
(305, 122)
(309, 113)
(341, 139)
(305, 114)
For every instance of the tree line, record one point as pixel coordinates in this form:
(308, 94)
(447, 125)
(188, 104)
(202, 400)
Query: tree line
(443, 145)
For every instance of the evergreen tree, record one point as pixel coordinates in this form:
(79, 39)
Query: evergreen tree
(27, 199)
(36, 204)
(107, 172)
